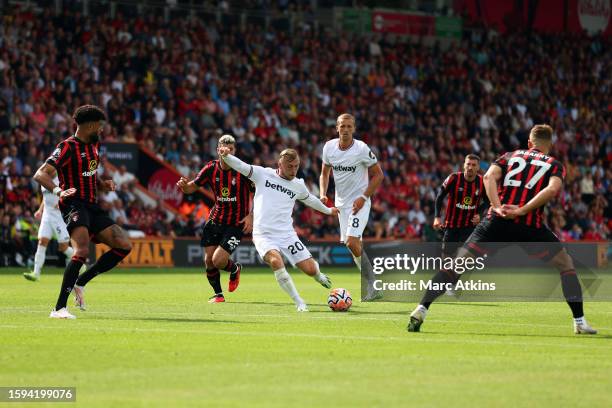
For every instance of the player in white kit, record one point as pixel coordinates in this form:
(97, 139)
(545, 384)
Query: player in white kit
(357, 175)
(51, 225)
(276, 191)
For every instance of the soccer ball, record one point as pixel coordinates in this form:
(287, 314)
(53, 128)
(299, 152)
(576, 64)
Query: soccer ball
(339, 300)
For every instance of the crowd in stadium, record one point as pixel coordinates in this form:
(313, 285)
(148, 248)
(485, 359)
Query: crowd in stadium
(174, 87)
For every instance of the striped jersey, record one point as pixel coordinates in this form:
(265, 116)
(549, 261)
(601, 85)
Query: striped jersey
(464, 199)
(76, 163)
(232, 193)
(524, 174)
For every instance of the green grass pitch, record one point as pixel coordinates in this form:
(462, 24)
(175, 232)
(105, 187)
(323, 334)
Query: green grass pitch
(150, 339)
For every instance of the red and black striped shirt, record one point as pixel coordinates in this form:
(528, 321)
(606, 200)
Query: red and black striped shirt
(232, 193)
(464, 199)
(524, 174)
(77, 164)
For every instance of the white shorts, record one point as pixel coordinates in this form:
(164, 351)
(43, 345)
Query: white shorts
(287, 244)
(52, 225)
(353, 225)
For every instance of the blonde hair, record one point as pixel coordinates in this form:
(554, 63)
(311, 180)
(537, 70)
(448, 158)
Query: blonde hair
(289, 154)
(345, 116)
(541, 133)
(226, 140)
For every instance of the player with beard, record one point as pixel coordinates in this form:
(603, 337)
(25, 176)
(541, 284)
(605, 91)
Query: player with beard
(76, 162)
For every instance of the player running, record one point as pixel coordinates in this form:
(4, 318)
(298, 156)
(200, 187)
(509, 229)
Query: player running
(465, 190)
(222, 233)
(529, 180)
(51, 225)
(276, 191)
(76, 162)
(357, 175)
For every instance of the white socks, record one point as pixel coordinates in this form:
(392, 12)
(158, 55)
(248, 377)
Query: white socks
(39, 259)
(318, 276)
(580, 321)
(357, 260)
(69, 252)
(286, 283)
(423, 310)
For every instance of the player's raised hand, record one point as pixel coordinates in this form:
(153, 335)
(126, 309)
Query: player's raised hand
(475, 219)
(68, 193)
(247, 222)
(335, 211)
(224, 150)
(358, 204)
(437, 224)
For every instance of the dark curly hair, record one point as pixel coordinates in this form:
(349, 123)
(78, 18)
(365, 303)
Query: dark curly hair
(88, 113)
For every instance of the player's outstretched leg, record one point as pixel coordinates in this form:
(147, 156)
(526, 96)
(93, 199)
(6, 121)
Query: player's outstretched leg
(311, 268)
(275, 260)
(80, 236)
(116, 238)
(572, 291)
(221, 260)
(39, 260)
(213, 275)
(440, 282)
(364, 265)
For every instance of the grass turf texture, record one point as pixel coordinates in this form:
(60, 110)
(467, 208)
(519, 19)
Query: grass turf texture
(150, 339)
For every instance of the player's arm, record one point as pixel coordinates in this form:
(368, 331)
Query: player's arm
(490, 181)
(41, 208)
(376, 177)
(553, 188)
(440, 200)
(235, 163)
(324, 182)
(44, 176)
(316, 204)
(46, 173)
(186, 186)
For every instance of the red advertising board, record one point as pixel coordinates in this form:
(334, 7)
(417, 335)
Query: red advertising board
(550, 16)
(403, 23)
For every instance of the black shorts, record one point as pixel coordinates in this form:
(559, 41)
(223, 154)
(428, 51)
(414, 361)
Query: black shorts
(226, 236)
(454, 238)
(539, 243)
(78, 213)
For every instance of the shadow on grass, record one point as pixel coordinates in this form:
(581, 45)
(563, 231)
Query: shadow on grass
(174, 320)
(604, 337)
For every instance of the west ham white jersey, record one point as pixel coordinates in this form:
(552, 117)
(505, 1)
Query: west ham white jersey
(350, 168)
(51, 200)
(274, 201)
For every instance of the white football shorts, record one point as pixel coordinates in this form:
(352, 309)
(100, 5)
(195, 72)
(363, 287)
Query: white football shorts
(353, 225)
(52, 225)
(287, 244)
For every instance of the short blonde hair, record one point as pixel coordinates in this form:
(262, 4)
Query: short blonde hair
(289, 154)
(226, 140)
(345, 116)
(541, 133)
